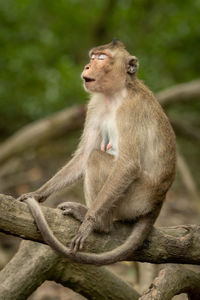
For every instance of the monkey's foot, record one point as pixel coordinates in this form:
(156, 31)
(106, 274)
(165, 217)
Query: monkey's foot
(77, 210)
(84, 230)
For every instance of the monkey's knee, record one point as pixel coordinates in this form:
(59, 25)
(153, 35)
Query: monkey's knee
(104, 224)
(77, 210)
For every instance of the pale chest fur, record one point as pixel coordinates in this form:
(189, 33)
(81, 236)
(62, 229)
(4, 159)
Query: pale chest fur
(104, 113)
(109, 133)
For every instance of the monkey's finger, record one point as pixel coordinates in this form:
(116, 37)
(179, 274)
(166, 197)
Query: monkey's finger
(67, 211)
(77, 244)
(63, 206)
(74, 247)
(82, 240)
(22, 198)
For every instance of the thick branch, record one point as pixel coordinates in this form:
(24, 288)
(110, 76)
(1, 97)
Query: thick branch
(38, 132)
(93, 282)
(174, 280)
(164, 245)
(180, 92)
(27, 270)
(34, 263)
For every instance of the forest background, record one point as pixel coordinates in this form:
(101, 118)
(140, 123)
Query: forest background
(43, 48)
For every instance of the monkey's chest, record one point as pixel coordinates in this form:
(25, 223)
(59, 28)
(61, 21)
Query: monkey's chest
(109, 136)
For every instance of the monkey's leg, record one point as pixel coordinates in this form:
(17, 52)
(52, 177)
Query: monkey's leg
(77, 210)
(98, 168)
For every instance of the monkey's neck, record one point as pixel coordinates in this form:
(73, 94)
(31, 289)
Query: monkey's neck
(111, 98)
(136, 86)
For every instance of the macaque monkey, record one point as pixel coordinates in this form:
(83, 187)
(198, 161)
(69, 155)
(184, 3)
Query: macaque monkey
(126, 156)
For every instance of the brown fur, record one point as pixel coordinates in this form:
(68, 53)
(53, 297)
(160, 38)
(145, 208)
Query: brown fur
(127, 180)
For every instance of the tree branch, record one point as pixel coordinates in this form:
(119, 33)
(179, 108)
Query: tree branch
(179, 244)
(185, 129)
(180, 92)
(93, 282)
(39, 131)
(34, 263)
(174, 280)
(188, 180)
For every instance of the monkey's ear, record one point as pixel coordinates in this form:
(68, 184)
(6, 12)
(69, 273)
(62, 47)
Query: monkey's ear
(133, 65)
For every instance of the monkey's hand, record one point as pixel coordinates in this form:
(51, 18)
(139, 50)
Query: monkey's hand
(84, 230)
(37, 196)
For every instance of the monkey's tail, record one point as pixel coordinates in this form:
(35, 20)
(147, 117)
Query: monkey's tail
(140, 231)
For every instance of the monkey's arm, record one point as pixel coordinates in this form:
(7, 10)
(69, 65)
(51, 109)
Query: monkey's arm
(73, 170)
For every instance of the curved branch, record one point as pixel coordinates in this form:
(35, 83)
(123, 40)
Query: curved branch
(174, 280)
(164, 245)
(34, 263)
(188, 180)
(93, 283)
(180, 92)
(39, 131)
(184, 129)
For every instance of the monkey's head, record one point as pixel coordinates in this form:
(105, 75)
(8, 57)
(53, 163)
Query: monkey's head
(109, 69)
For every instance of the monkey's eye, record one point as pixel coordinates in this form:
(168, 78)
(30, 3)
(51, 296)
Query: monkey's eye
(93, 56)
(102, 56)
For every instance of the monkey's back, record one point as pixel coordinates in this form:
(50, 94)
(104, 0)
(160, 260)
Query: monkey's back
(151, 133)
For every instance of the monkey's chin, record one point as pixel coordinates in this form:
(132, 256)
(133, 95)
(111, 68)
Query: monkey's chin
(88, 88)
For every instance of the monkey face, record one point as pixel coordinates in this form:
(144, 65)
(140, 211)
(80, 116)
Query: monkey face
(102, 74)
(110, 67)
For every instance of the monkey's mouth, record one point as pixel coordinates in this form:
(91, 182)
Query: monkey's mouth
(88, 79)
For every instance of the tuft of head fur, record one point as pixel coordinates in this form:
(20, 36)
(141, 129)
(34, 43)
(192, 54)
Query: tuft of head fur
(116, 43)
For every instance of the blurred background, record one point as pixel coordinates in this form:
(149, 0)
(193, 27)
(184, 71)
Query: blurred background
(43, 48)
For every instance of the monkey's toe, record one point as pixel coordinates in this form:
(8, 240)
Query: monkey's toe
(66, 205)
(67, 211)
(74, 209)
(23, 197)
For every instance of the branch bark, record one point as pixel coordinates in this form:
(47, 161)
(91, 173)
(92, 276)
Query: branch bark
(174, 280)
(179, 244)
(34, 263)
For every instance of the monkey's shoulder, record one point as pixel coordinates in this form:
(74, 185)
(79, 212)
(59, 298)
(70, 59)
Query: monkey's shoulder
(139, 107)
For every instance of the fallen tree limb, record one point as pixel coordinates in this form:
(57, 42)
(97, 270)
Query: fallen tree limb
(174, 280)
(42, 130)
(34, 263)
(179, 244)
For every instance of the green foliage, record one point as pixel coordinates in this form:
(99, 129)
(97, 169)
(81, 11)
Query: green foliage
(44, 45)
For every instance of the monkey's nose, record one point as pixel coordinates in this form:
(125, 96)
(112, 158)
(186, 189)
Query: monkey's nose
(87, 67)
